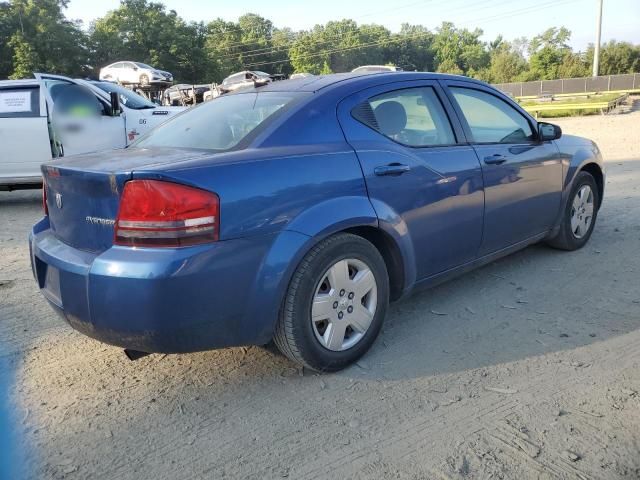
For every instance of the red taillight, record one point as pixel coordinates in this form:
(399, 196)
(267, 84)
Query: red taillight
(44, 198)
(154, 213)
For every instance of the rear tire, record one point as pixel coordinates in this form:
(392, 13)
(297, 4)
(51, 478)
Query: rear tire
(580, 214)
(328, 320)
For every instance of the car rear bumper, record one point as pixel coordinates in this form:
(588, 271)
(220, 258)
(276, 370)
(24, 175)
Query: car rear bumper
(20, 183)
(163, 300)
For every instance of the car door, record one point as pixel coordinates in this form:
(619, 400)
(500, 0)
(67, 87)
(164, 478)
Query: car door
(24, 138)
(129, 73)
(114, 72)
(80, 122)
(419, 173)
(522, 175)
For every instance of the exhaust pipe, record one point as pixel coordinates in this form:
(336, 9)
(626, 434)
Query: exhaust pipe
(134, 354)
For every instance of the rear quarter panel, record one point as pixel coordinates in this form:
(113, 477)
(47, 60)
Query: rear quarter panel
(290, 197)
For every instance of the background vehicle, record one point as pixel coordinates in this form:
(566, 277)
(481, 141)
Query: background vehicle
(246, 79)
(183, 94)
(297, 215)
(376, 68)
(53, 116)
(135, 73)
(300, 75)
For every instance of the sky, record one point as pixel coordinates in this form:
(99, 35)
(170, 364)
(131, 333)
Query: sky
(509, 18)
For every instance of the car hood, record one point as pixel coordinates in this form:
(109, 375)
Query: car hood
(155, 111)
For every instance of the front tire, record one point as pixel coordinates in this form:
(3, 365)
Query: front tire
(144, 80)
(335, 304)
(580, 214)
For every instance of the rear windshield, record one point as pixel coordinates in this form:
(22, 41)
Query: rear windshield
(220, 124)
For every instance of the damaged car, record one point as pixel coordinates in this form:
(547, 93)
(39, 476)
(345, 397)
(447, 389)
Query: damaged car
(51, 116)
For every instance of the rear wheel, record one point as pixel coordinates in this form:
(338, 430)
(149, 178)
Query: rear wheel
(580, 214)
(335, 304)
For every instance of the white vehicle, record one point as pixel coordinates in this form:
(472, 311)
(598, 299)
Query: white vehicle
(135, 73)
(295, 76)
(53, 116)
(377, 68)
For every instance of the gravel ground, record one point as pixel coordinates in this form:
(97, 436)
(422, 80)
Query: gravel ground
(526, 368)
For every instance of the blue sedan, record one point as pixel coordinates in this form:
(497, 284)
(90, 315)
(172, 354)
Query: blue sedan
(295, 212)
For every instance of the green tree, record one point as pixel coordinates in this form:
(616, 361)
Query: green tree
(506, 64)
(460, 47)
(342, 45)
(574, 65)
(547, 53)
(36, 36)
(412, 48)
(145, 31)
(616, 57)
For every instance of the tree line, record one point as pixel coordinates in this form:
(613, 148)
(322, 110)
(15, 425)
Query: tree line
(35, 35)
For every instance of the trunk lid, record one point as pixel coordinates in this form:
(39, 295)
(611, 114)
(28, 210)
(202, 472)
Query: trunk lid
(83, 192)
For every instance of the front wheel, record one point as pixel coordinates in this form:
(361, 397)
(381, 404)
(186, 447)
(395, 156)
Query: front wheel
(335, 304)
(144, 80)
(580, 214)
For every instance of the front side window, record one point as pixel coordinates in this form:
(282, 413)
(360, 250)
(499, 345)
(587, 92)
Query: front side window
(70, 99)
(221, 124)
(490, 119)
(413, 117)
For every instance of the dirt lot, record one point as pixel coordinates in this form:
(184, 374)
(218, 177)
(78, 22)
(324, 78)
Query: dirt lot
(527, 368)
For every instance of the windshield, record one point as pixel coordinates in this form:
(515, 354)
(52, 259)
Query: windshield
(220, 124)
(127, 98)
(261, 74)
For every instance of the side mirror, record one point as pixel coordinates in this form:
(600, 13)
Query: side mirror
(115, 104)
(548, 131)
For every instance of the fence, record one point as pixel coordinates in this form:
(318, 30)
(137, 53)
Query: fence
(604, 107)
(605, 83)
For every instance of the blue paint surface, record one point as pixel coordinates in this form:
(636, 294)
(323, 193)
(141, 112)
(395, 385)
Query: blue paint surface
(310, 172)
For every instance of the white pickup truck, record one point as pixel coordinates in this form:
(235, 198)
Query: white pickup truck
(53, 116)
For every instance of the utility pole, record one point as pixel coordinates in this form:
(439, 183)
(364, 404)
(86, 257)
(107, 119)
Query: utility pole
(596, 52)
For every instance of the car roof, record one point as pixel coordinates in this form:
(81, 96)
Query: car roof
(319, 82)
(25, 82)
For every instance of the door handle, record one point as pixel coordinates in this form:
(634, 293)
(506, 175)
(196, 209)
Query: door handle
(391, 169)
(496, 159)
(72, 128)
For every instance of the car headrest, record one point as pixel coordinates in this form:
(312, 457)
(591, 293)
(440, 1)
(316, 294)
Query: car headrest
(391, 117)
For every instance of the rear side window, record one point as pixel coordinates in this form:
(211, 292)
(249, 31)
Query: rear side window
(490, 119)
(220, 124)
(19, 102)
(412, 116)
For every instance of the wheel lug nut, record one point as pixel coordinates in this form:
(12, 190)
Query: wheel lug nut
(350, 295)
(342, 292)
(350, 309)
(340, 315)
(335, 305)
